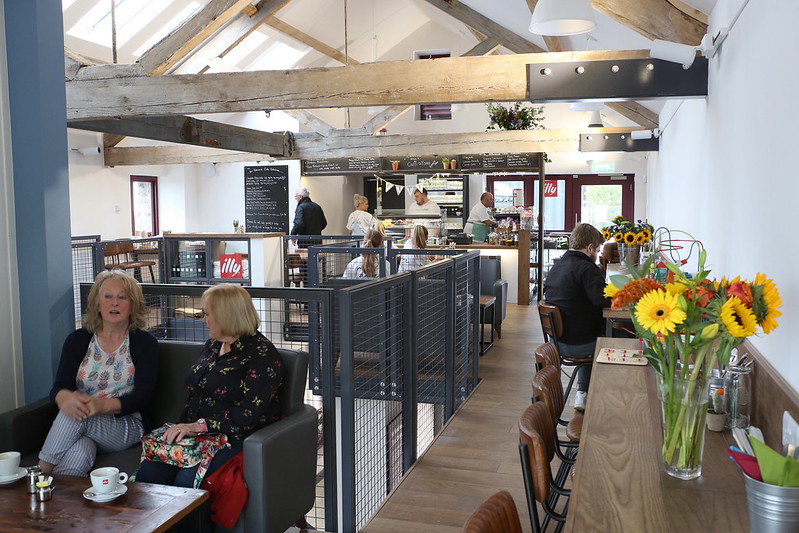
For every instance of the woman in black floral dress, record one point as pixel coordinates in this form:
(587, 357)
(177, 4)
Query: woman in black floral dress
(232, 388)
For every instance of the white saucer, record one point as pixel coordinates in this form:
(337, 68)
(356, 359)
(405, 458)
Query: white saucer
(5, 480)
(91, 494)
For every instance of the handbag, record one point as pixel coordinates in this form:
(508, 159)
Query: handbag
(187, 452)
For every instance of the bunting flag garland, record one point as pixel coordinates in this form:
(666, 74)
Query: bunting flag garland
(399, 189)
(389, 186)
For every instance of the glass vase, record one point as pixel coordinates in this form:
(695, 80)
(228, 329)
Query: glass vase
(630, 253)
(683, 404)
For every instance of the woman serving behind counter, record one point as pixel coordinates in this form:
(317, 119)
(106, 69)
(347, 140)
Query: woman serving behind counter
(360, 221)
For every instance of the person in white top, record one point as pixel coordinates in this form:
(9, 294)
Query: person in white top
(366, 265)
(419, 242)
(479, 212)
(360, 220)
(423, 206)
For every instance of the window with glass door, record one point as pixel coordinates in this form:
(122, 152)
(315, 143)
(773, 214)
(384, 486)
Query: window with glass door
(569, 198)
(144, 205)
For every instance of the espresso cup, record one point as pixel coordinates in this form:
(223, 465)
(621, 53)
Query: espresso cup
(106, 479)
(9, 463)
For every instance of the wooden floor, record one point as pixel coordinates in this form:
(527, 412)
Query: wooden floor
(476, 454)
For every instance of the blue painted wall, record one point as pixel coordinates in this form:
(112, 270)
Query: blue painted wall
(35, 47)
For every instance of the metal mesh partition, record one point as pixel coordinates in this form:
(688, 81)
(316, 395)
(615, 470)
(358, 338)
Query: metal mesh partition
(434, 318)
(175, 313)
(467, 324)
(82, 266)
(375, 352)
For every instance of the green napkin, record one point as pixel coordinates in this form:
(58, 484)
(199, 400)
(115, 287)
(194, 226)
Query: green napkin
(775, 467)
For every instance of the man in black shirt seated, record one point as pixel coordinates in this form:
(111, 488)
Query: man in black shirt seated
(575, 284)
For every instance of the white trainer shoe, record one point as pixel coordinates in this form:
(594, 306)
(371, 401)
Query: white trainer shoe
(579, 400)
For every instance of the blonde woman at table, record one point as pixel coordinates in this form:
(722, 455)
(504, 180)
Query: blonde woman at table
(366, 265)
(417, 242)
(105, 378)
(360, 220)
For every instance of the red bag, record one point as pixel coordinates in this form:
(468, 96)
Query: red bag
(228, 491)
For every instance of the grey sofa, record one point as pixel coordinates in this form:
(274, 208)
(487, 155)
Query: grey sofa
(279, 460)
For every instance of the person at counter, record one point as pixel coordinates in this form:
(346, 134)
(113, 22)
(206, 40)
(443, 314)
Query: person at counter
(309, 218)
(479, 212)
(575, 284)
(421, 205)
(360, 220)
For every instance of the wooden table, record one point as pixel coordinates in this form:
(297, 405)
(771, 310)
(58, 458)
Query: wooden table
(620, 485)
(144, 508)
(613, 314)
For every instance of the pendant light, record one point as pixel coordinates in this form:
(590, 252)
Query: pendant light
(562, 17)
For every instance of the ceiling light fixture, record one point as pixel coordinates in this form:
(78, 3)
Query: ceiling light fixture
(562, 17)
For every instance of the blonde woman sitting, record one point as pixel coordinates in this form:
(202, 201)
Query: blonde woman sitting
(366, 265)
(360, 220)
(418, 242)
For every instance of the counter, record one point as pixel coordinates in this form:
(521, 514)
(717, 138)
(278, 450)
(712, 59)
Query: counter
(515, 268)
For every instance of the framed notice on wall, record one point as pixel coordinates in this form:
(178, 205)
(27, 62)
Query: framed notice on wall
(266, 199)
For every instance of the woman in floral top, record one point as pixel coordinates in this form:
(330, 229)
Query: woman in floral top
(232, 388)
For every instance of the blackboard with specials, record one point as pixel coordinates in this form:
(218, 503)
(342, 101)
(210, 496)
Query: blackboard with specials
(491, 162)
(342, 165)
(266, 199)
(421, 163)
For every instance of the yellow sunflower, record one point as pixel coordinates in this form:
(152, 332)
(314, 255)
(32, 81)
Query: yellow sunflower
(629, 238)
(739, 320)
(770, 299)
(647, 234)
(639, 238)
(610, 290)
(659, 312)
(618, 237)
(605, 234)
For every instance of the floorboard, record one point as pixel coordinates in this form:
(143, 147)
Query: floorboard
(476, 454)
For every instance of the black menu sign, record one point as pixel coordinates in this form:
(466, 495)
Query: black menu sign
(266, 199)
(342, 165)
(491, 162)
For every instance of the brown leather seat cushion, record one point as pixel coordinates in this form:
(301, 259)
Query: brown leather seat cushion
(574, 428)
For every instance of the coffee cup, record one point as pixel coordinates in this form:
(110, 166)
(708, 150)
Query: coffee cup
(106, 479)
(9, 463)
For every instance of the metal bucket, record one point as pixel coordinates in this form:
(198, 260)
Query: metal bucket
(772, 509)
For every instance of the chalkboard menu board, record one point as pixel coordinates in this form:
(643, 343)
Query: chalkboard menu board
(343, 165)
(421, 163)
(490, 162)
(266, 199)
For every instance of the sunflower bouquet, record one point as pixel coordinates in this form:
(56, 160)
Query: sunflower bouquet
(626, 232)
(687, 324)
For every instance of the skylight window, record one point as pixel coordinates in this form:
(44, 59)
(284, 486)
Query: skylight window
(167, 28)
(247, 46)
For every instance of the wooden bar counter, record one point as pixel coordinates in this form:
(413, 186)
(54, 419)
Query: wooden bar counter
(620, 485)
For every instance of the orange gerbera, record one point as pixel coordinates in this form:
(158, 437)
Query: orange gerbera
(634, 291)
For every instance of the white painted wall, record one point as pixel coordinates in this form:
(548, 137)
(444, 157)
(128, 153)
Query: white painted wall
(11, 389)
(725, 171)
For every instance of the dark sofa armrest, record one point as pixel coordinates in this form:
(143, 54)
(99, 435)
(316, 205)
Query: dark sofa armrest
(24, 429)
(501, 294)
(280, 471)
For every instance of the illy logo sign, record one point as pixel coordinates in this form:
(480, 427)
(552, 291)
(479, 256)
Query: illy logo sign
(550, 188)
(230, 266)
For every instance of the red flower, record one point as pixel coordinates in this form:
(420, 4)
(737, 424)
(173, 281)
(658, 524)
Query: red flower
(704, 293)
(743, 291)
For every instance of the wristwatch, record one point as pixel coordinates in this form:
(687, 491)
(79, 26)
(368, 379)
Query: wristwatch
(203, 425)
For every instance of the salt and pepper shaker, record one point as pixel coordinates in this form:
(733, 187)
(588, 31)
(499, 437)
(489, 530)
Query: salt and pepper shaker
(32, 477)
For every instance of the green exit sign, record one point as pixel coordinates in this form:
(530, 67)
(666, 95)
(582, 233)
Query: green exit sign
(603, 167)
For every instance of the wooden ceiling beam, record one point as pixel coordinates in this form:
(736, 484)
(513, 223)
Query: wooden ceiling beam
(230, 36)
(189, 130)
(654, 19)
(307, 40)
(635, 112)
(486, 26)
(189, 35)
(311, 146)
(102, 94)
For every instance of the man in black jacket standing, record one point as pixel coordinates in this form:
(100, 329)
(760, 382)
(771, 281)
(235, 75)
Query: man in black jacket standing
(309, 219)
(575, 284)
